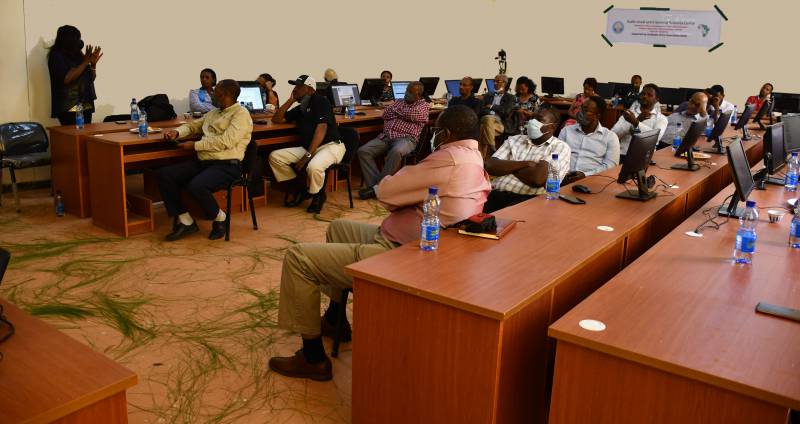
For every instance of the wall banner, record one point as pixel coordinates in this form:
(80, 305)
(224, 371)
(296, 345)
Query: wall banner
(664, 27)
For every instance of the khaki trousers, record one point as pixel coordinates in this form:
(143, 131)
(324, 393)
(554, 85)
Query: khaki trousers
(328, 154)
(309, 268)
(490, 128)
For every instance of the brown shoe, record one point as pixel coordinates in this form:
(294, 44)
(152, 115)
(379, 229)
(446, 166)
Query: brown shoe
(296, 366)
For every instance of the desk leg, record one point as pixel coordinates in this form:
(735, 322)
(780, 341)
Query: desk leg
(111, 410)
(593, 387)
(107, 186)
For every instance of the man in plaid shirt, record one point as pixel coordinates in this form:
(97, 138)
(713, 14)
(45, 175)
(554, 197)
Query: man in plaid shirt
(402, 123)
(522, 162)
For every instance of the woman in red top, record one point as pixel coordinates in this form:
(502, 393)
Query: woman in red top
(589, 90)
(764, 95)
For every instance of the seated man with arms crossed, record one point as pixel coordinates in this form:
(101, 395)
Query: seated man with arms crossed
(225, 133)
(497, 115)
(594, 148)
(522, 162)
(402, 123)
(644, 117)
(456, 168)
(320, 143)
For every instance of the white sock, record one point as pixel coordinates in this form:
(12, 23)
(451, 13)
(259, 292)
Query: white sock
(220, 216)
(185, 219)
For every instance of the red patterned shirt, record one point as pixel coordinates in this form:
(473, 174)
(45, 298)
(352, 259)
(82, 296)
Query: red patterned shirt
(401, 119)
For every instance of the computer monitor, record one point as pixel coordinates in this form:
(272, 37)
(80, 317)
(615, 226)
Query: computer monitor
(766, 109)
(791, 132)
(452, 87)
(689, 92)
(250, 96)
(741, 124)
(341, 92)
(621, 89)
(552, 85)
(786, 102)
(399, 88)
(635, 165)
(716, 134)
(742, 179)
(605, 89)
(371, 90)
(695, 130)
(774, 155)
(670, 96)
(476, 85)
(490, 85)
(429, 85)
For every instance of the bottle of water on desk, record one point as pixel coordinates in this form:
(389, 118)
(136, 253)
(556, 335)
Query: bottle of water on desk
(746, 236)
(351, 108)
(709, 126)
(142, 124)
(79, 116)
(429, 237)
(134, 111)
(733, 116)
(553, 182)
(790, 181)
(794, 229)
(448, 97)
(676, 142)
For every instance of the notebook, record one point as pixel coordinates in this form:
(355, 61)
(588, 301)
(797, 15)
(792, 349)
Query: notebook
(503, 227)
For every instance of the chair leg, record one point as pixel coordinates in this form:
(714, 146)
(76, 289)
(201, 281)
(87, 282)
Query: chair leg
(349, 189)
(14, 188)
(253, 212)
(228, 214)
(340, 322)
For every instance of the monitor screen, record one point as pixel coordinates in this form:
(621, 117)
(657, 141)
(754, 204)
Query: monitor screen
(791, 132)
(429, 84)
(786, 102)
(552, 85)
(476, 84)
(671, 96)
(605, 90)
(342, 92)
(689, 92)
(371, 88)
(774, 149)
(622, 89)
(740, 167)
(490, 85)
(399, 89)
(452, 87)
(250, 97)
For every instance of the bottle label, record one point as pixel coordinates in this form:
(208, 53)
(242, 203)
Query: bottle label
(746, 243)
(430, 232)
(791, 179)
(552, 186)
(143, 129)
(794, 229)
(676, 142)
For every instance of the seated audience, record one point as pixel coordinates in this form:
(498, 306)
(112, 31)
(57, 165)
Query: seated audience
(719, 101)
(402, 124)
(224, 134)
(387, 95)
(764, 97)
(709, 110)
(267, 84)
(521, 164)
(696, 108)
(456, 168)
(633, 94)
(320, 143)
(593, 147)
(466, 97)
(497, 115)
(589, 90)
(525, 102)
(644, 118)
(201, 99)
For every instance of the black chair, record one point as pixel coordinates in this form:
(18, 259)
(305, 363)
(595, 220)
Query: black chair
(422, 148)
(340, 322)
(248, 180)
(22, 145)
(5, 258)
(115, 118)
(351, 141)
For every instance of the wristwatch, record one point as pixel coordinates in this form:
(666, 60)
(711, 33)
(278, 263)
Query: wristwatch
(308, 155)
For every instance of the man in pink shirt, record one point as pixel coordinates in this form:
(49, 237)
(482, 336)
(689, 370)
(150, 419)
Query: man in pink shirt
(455, 167)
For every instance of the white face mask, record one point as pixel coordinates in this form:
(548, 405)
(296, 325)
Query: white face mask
(534, 129)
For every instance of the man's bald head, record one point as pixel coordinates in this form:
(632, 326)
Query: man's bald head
(697, 103)
(414, 92)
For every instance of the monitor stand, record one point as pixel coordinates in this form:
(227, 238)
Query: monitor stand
(689, 165)
(746, 134)
(643, 194)
(731, 209)
(718, 148)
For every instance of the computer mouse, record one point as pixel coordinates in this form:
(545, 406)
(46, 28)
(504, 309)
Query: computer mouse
(581, 188)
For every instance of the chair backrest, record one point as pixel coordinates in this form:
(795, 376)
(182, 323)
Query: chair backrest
(5, 258)
(250, 157)
(114, 118)
(351, 141)
(20, 138)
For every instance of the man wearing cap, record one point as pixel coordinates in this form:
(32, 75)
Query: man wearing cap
(320, 143)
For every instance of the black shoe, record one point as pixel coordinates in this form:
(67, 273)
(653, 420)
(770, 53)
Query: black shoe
(181, 231)
(217, 230)
(366, 193)
(298, 198)
(329, 330)
(316, 203)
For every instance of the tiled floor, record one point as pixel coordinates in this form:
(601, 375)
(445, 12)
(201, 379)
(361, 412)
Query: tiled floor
(195, 319)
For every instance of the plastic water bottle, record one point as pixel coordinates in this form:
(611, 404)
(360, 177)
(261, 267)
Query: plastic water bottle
(58, 201)
(429, 238)
(746, 236)
(448, 97)
(790, 181)
(676, 142)
(709, 126)
(794, 230)
(79, 116)
(142, 124)
(733, 116)
(615, 101)
(134, 110)
(351, 108)
(553, 182)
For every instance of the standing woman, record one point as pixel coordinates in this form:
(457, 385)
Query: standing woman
(72, 75)
(202, 99)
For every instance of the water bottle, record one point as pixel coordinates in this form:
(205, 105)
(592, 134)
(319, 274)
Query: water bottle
(709, 126)
(553, 182)
(676, 142)
(794, 229)
(429, 238)
(790, 181)
(733, 116)
(134, 111)
(142, 124)
(351, 108)
(615, 100)
(746, 235)
(59, 204)
(449, 97)
(79, 116)
(264, 99)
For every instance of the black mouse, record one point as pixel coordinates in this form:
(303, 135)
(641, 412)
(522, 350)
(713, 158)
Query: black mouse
(581, 189)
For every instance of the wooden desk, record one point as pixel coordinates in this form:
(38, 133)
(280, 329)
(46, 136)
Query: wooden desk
(682, 341)
(46, 376)
(460, 335)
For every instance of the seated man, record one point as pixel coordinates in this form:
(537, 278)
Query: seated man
(402, 123)
(709, 109)
(456, 168)
(225, 133)
(594, 148)
(466, 97)
(497, 115)
(320, 143)
(719, 101)
(696, 109)
(633, 94)
(522, 162)
(646, 118)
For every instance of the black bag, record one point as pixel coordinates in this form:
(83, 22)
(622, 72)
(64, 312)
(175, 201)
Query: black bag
(157, 108)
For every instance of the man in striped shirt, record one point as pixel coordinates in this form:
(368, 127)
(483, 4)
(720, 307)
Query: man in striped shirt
(522, 162)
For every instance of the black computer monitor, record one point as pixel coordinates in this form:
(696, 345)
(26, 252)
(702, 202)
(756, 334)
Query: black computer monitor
(786, 102)
(742, 179)
(250, 96)
(429, 85)
(341, 92)
(372, 89)
(452, 87)
(741, 124)
(635, 165)
(766, 109)
(670, 96)
(716, 134)
(552, 85)
(791, 132)
(692, 135)
(774, 156)
(621, 89)
(689, 92)
(476, 85)
(605, 89)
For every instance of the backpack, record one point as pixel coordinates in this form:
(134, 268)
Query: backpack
(157, 108)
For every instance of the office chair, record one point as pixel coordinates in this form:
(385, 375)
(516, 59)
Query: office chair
(22, 145)
(246, 180)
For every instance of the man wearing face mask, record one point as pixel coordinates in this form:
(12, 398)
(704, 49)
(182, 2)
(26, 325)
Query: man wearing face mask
(522, 162)
(402, 123)
(497, 115)
(320, 143)
(695, 109)
(594, 148)
(456, 168)
(225, 133)
(646, 118)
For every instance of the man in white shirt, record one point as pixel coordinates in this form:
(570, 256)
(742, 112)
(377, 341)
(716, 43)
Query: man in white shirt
(718, 99)
(644, 118)
(593, 147)
(695, 109)
(522, 162)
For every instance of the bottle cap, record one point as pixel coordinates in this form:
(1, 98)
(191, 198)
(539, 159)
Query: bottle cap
(433, 190)
(751, 203)
(555, 156)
